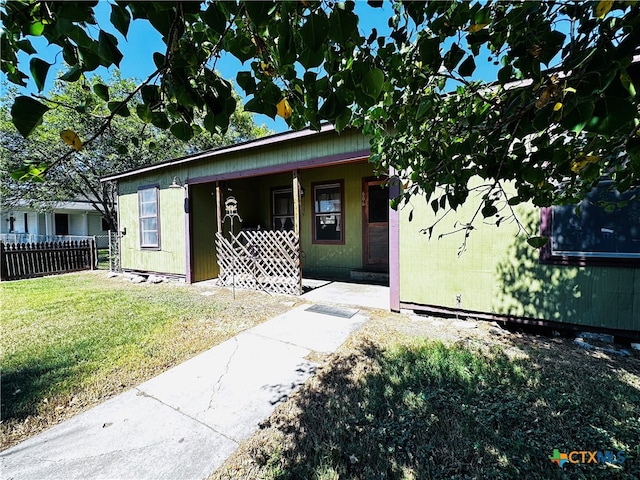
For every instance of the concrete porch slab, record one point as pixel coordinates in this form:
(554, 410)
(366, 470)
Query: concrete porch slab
(351, 294)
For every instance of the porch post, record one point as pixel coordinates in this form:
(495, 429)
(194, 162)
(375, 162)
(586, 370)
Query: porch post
(296, 201)
(219, 206)
(187, 236)
(296, 191)
(394, 244)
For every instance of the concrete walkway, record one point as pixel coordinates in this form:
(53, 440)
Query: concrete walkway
(350, 294)
(184, 423)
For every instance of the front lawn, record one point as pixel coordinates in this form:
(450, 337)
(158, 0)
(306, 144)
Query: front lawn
(410, 398)
(71, 341)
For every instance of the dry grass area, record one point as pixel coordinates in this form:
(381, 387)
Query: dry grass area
(424, 398)
(72, 341)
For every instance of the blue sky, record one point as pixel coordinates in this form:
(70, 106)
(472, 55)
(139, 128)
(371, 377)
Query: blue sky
(143, 40)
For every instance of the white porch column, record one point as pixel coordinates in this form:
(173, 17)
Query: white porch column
(85, 224)
(296, 190)
(49, 224)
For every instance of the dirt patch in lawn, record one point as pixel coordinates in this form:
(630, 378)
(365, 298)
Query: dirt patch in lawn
(411, 397)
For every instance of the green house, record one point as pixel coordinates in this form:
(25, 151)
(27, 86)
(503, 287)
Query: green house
(332, 211)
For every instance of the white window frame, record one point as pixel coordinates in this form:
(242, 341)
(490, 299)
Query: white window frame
(143, 218)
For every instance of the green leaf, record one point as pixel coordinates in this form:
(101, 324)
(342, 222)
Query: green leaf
(160, 120)
(505, 74)
(101, 91)
(26, 114)
(144, 113)
(122, 149)
(627, 82)
(215, 18)
(537, 242)
(182, 131)
(119, 108)
(453, 57)
(315, 30)
(246, 82)
(158, 59)
(429, 49)
(162, 19)
(25, 46)
(108, 49)
(88, 60)
(39, 69)
(311, 57)
(423, 108)
(76, 12)
(72, 75)
(120, 19)
(258, 12)
(489, 210)
(343, 120)
(577, 118)
(150, 94)
(467, 67)
(610, 115)
(342, 25)
(372, 82)
(36, 28)
(241, 47)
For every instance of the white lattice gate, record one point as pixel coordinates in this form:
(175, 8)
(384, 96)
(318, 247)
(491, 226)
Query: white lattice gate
(261, 260)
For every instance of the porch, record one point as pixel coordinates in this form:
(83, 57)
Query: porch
(336, 217)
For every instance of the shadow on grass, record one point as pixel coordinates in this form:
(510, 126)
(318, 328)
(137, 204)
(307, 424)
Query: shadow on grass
(25, 385)
(433, 411)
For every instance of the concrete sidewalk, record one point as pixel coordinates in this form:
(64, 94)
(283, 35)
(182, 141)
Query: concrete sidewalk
(184, 423)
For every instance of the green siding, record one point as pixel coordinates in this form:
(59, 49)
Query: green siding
(170, 258)
(324, 145)
(500, 273)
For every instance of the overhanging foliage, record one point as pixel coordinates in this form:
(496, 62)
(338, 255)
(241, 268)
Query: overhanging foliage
(559, 111)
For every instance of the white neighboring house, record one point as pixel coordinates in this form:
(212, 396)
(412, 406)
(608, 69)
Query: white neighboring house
(65, 221)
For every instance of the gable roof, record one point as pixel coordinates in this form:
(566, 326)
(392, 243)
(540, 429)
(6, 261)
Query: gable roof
(278, 138)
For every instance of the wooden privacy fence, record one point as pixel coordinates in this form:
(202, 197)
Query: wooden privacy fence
(26, 260)
(261, 260)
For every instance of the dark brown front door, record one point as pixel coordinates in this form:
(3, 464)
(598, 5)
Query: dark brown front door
(375, 221)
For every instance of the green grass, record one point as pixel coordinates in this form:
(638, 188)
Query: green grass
(73, 340)
(408, 407)
(103, 258)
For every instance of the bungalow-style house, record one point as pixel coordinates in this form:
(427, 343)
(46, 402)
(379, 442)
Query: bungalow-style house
(65, 220)
(309, 203)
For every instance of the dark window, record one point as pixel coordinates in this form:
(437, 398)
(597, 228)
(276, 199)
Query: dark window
(282, 209)
(62, 223)
(328, 214)
(148, 217)
(604, 228)
(26, 223)
(378, 204)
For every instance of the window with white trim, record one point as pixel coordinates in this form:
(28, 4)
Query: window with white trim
(328, 213)
(148, 217)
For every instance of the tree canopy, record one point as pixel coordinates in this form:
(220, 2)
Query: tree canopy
(127, 145)
(557, 109)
